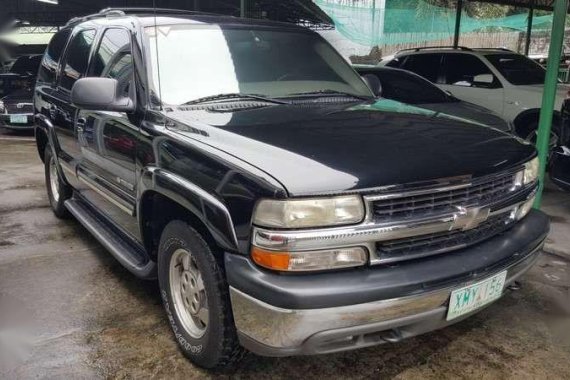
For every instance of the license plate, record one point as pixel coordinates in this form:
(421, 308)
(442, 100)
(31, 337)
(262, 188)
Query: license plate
(474, 296)
(18, 119)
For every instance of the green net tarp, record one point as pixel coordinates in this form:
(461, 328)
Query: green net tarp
(385, 22)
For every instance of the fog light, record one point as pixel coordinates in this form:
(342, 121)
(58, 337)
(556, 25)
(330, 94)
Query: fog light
(310, 260)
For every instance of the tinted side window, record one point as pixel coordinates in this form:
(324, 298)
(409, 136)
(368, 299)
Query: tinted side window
(426, 65)
(77, 58)
(48, 67)
(461, 69)
(113, 58)
(408, 88)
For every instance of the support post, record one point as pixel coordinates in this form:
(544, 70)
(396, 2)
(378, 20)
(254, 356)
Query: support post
(242, 8)
(549, 93)
(528, 28)
(457, 23)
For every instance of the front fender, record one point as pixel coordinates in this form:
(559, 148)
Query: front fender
(203, 205)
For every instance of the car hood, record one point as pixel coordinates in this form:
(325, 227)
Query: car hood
(470, 111)
(325, 148)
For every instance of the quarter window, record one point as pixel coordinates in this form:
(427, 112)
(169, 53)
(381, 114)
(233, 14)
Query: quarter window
(77, 58)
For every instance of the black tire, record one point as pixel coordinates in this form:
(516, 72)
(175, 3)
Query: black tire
(218, 347)
(64, 190)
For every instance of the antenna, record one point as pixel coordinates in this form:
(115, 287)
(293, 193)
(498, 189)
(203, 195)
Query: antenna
(156, 48)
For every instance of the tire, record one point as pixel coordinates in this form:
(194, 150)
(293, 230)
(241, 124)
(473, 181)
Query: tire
(58, 192)
(192, 281)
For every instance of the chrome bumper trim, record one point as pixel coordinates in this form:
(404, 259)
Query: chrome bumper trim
(288, 330)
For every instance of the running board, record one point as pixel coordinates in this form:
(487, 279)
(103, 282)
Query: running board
(130, 256)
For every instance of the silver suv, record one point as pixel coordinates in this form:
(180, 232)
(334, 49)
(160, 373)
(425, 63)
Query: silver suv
(501, 80)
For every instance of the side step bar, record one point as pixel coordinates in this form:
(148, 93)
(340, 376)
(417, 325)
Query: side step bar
(131, 257)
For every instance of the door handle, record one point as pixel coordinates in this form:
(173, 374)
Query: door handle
(80, 124)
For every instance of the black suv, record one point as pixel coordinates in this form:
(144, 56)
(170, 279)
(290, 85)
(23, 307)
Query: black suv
(282, 207)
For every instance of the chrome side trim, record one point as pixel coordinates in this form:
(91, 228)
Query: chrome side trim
(106, 194)
(289, 328)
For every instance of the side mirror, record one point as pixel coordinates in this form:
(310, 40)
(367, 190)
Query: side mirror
(373, 83)
(485, 79)
(100, 94)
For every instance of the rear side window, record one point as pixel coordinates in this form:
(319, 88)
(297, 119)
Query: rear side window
(408, 88)
(425, 65)
(77, 58)
(48, 67)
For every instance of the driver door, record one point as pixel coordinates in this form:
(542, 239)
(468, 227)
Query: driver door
(108, 140)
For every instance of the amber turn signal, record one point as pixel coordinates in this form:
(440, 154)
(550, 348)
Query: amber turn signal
(270, 259)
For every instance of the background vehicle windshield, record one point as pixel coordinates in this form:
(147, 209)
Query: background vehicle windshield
(408, 88)
(195, 61)
(518, 69)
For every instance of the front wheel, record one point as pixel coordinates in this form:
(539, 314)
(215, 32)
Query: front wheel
(530, 134)
(195, 296)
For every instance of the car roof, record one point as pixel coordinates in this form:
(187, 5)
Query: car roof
(148, 18)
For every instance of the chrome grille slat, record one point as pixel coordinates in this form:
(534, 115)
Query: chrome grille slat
(412, 206)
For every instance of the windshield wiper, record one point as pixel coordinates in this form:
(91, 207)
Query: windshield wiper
(235, 96)
(331, 92)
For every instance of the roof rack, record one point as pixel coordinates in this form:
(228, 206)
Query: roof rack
(498, 48)
(436, 47)
(120, 12)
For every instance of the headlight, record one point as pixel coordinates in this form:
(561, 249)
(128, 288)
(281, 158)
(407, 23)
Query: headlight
(530, 171)
(309, 212)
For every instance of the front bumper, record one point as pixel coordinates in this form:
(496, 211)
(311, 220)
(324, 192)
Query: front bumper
(283, 315)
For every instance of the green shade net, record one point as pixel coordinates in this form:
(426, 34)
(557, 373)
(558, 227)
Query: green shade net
(371, 23)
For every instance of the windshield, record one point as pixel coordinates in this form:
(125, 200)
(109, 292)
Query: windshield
(518, 69)
(196, 61)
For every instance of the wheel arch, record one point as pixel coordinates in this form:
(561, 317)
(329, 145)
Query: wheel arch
(524, 118)
(166, 197)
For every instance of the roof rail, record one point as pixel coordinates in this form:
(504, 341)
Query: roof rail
(498, 48)
(119, 12)
(435, 47)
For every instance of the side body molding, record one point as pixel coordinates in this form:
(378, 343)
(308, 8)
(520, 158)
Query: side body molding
(203, 205)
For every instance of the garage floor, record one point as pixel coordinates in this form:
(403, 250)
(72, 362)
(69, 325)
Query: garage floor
(87, 317)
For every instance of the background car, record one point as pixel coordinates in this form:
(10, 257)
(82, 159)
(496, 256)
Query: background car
(410, 88)
(22, 74)
(507, 83)
(17, 109)
(559, 163)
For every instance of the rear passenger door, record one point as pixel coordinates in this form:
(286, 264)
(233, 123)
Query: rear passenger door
(108, 140)
(468, 78)
(62, 112)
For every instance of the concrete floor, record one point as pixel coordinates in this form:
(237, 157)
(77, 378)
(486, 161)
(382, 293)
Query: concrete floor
(84, 316)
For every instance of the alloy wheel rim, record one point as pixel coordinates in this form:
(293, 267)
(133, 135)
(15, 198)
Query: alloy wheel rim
(188, 293)
(53, 180)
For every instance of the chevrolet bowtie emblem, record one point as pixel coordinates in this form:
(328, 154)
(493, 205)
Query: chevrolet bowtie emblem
(468, 218)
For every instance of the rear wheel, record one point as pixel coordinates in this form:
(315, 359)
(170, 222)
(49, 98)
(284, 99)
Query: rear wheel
(195, 296)
(58, 192)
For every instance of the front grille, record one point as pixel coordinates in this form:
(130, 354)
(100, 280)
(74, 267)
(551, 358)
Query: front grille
(12, 108)
(439, 202)
(424, 245)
